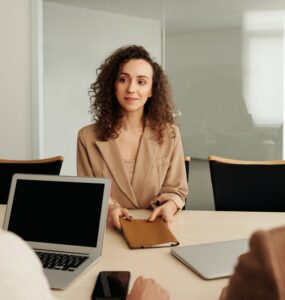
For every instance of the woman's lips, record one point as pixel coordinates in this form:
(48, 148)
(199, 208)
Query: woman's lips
(131, 99)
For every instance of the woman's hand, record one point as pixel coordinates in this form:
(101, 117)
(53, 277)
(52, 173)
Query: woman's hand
(115, 213)
(166, 211)
(147, 289)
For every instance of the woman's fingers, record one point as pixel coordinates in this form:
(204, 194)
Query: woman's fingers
(115, 215)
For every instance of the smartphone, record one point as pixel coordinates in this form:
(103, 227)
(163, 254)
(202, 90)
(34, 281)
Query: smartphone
(111, 285)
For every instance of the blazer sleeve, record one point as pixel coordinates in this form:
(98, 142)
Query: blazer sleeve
(259, 274)
(175, 185)
(83, 164)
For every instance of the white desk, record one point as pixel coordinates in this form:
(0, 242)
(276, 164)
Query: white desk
(190, 227)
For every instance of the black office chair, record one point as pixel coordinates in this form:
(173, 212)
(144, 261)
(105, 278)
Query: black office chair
(49, 166)
(247, 185)
(187, 160)
(187, 165)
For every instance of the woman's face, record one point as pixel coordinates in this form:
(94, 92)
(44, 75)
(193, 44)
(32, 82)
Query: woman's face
(134, 85)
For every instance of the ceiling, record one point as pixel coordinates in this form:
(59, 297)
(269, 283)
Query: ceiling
(182, 15)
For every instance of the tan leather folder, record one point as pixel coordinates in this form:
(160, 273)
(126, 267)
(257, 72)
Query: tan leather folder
(145, 234)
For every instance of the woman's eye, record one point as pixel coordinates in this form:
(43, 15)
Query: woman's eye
(141, 82)
(123, 79)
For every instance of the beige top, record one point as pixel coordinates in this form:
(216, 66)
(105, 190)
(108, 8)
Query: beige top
(129, 165)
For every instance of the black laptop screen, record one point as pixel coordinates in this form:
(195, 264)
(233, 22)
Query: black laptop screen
(57, 212)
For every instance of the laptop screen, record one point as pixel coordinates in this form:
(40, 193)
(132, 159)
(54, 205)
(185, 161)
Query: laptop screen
(57, 212)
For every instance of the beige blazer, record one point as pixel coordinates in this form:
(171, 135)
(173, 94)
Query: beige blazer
(159, 170)
(260, 273)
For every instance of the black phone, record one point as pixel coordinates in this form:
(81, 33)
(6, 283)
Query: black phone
(111, 285)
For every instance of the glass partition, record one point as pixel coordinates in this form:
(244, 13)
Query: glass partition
(225, 60)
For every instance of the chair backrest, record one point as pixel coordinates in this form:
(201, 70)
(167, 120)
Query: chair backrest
(187, 165)
(49, 166)
(187, 160)
(247, 185)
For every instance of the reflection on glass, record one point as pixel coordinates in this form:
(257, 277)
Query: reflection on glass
(263, 66)
(228, 77)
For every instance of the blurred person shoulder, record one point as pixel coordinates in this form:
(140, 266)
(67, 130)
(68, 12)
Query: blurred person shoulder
(260, 273)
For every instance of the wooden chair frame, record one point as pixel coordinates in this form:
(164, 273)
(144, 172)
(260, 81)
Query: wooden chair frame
(32, 161)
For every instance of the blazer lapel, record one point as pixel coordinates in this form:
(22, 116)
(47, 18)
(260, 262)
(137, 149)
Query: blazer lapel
(145, 161)
(113, 160)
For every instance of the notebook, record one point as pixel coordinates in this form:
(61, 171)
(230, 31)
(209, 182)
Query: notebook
(62, 218)
(212, 260)
(145, 234)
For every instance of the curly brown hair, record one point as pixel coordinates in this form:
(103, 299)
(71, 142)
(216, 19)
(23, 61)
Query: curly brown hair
(105, 109)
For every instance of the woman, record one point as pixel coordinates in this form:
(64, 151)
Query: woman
(134, 140)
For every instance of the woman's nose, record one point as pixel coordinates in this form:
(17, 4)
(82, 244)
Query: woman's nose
(131, 87)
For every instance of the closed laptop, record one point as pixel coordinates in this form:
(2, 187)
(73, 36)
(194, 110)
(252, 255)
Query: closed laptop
(212, 260)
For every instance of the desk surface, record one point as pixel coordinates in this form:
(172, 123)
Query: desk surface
(190, 227)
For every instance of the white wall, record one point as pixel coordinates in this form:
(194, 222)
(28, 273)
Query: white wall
(15, 80)
(76, 40)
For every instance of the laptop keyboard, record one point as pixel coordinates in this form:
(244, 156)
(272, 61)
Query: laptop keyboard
(59, 261)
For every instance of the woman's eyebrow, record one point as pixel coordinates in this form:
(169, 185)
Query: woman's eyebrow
(143, 76)
(123, 73)
(140, 76)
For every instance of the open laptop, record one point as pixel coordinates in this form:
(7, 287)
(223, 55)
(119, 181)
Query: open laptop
(212, 260)
(63, 218)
